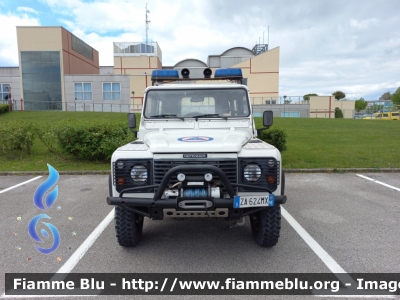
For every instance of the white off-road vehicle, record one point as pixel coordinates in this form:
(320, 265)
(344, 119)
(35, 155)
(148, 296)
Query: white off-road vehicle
(197, 156)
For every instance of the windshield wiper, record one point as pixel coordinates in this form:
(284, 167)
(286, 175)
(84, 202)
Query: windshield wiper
(168, 116)
(209, 116)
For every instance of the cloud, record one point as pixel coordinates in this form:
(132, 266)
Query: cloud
(363, 24)
(8, 41)
(27, 9)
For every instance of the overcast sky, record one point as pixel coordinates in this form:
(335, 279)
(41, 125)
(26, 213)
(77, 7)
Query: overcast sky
(325, 45)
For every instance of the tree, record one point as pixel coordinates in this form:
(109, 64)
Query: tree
(396, 98)
(338, 113)
(288, 101)
(339, 95)
(385, 96)
(307, 97)
(360, 104)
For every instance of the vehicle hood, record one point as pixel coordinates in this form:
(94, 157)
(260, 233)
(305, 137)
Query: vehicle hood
(196, 141)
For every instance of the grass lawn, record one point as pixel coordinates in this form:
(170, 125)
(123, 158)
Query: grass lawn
(339, 143)
(311, 143)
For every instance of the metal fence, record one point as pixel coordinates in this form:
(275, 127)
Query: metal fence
(81, 106)
(16, 104)
(284, 110)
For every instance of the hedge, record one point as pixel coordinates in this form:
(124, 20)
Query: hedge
(16, 139)
(4, 108)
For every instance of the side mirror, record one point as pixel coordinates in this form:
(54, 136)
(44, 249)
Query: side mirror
(132, 123)
(268, 118)
(131, 120)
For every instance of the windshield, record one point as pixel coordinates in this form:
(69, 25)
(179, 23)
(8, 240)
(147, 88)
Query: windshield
(202, 103)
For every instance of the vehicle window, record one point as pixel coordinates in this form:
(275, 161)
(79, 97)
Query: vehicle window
(190, 103)
(385, 115)
(395, 114)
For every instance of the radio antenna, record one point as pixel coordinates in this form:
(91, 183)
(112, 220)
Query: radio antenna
(147, 26)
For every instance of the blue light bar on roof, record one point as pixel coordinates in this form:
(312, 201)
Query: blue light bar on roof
(233, 72)
(164, 74)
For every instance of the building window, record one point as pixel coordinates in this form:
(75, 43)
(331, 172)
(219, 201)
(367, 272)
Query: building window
(41, 80)
(81, 47)
(111, 91)
(4, 91)
(83, 91)
(290, 114)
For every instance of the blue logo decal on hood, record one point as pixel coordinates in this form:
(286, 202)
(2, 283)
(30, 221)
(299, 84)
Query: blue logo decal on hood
(195, 139)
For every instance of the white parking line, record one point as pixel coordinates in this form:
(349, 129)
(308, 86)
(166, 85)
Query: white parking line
(328, 260)
(80, 252)
(19, 184)
(322, 254)
(379, 182)
(74, 259)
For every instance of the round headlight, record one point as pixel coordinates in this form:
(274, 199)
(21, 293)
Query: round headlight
(208, 177)
(271, 163)
(181, 177)
(139, 174)
(252, 172)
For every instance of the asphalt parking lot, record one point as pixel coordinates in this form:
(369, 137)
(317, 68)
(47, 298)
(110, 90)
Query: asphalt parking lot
(354, 221)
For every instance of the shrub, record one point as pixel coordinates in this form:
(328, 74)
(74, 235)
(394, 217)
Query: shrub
(91, 140)
(16, 139)
(338, 113)
(275, 137)
(4, 108)
(47, 134)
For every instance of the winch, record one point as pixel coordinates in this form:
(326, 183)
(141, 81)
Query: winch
(194, 192)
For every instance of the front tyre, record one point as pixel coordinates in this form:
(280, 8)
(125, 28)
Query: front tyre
(128, 227)
(266, 226)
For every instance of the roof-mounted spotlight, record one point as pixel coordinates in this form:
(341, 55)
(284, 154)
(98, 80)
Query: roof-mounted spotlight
(207, 73)
(185, 73)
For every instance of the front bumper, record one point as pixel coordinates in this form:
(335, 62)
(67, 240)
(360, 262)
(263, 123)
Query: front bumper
(153, 208)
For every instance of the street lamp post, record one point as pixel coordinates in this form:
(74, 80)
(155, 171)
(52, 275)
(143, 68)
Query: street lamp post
(284, 102)
(133, 100)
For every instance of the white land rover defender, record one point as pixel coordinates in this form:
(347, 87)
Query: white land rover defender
(197, 155)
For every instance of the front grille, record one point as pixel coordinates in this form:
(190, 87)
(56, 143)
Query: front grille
(162, 166)
(266, 171)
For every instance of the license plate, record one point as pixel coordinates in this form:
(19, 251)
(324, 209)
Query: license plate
(253, 201)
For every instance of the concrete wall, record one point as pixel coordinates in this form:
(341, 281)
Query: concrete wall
(106, 70)
(14, 81)
(262, 73)
(324, 107)
(9, 71)
(283, 110)
(136, 65)
(97, 103)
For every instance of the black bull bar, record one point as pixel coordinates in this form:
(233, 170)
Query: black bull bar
(156, 204)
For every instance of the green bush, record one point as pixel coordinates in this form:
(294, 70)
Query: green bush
(4, 108)
(91, 140)
(338, 113)
(275, 137)
(16, 139)
(48, 136)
